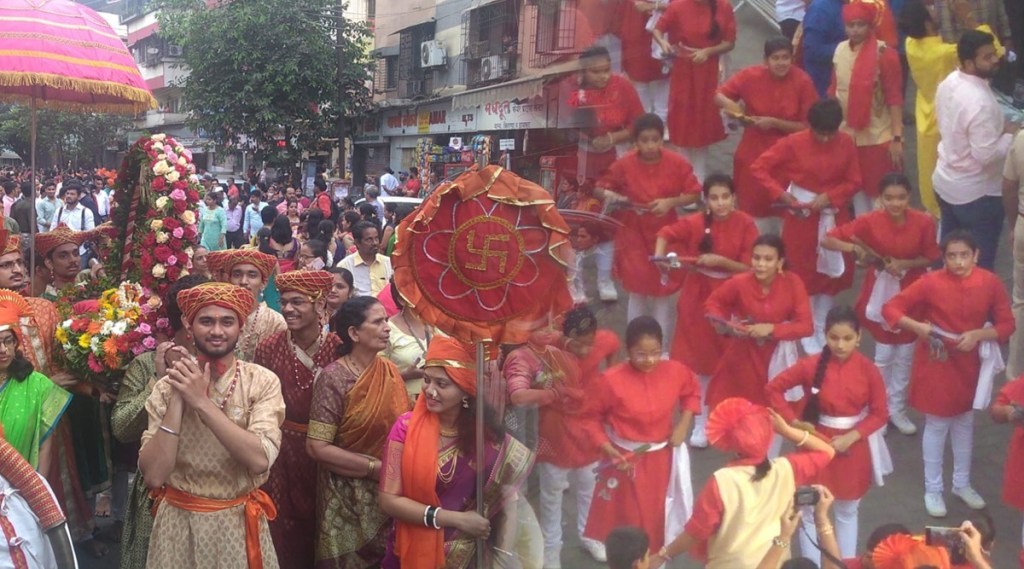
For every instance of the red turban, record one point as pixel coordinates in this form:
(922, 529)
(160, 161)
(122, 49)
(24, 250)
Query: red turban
(457, 359)
(13, 245)
(62, 235)
(865, 67)
(227, 260)
(13, 307)
(863, 11)
(737, 425)
(314, 284)
(229, 296)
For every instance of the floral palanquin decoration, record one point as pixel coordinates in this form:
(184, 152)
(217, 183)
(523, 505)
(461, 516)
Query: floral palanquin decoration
(484, 257)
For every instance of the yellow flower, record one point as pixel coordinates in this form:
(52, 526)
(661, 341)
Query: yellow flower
(188, 217)
(84, 339)
(156, 224)
(62, 335)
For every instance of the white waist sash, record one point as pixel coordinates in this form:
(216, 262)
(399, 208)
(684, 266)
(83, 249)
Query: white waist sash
(24, 531)
(991, 363)
(881, 460)
(679, 494)
(830, 263)
(885, 288)
(784, 357)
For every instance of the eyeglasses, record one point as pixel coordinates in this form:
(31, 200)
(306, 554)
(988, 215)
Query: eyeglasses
(9, 343)
(10, 265)
(297, 303)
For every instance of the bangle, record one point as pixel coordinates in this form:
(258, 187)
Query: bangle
(826, 529)
(169, 431)
(804, 440)
(780, 543)
(426, 515)
(369, 467)
(435, 522)
(663, 553)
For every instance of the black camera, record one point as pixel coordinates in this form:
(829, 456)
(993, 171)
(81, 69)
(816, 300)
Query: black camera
(805, 496)
(950, 538)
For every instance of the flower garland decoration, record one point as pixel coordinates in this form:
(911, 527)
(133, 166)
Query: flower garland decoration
(100, 337)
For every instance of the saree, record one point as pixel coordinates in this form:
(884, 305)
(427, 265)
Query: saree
(29, 411)
(508, 464)
(353, 413)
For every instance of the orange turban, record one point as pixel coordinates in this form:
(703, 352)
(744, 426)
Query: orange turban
(314, 284)
(457, 359)
(737, 425)
(228, 259)
(13, 307)
(13, 245)
(229, 296)
(863, 11)
(215, 262)
(901, 551)
(62, 235)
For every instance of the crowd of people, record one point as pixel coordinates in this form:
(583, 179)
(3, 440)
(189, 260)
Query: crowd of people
(301, 413)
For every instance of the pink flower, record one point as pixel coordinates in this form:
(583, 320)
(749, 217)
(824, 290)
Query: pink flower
(177, 195)
(172, 260)
(138, 349)
(144, 328)
(178, 233)
(94, 364)
(149, 343)
(162, 323)
(187, 154)
(172, 157)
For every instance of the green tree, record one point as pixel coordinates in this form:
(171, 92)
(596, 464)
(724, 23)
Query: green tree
(270, 70)
(61, 137)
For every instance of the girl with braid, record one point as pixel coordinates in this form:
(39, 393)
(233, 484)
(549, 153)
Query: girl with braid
(719, 244)
(843, 402)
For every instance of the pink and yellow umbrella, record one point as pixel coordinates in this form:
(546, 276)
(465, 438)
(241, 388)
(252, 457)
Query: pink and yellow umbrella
(58, 54)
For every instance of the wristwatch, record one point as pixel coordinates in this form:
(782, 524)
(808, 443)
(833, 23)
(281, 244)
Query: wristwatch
(780, 543)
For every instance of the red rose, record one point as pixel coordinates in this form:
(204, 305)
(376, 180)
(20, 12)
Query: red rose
(181, 184)
(180, 207)
(170, 224)
(173, 273)
(190, 233)
(176, 245)
(162, 253)
(181, 169)
(149, 240)
(159, 183)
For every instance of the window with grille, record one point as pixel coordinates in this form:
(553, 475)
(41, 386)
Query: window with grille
(556, 31)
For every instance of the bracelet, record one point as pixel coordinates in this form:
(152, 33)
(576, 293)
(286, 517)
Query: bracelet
(804, 440)
(435, 522)
(369, 467)
(663, 553)
(426, 514)
(826, 530)
(780, 543)
(169, 431)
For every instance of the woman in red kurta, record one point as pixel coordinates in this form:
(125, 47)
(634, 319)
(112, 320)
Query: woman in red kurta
(646, 72)
(634, 406)
(960, 314)
(762, 308)
(898, 244)
(608, 104)
(814, 173)
(844, 402)
(654, 182)
(736, 527)
(775, 98)
(1009, 408)
(697, 32)
(720, 243)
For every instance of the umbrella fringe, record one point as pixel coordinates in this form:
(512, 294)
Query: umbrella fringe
(136, 100)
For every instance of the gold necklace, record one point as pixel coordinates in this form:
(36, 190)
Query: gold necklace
(447, 477)
(451, 434)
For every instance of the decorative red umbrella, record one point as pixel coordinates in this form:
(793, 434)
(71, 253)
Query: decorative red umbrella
(58, 54)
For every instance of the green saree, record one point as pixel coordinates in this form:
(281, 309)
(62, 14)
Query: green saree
(29, 410)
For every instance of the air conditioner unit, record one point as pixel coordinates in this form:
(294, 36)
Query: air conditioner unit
(493, 67)
(432, 54)
(174, 51)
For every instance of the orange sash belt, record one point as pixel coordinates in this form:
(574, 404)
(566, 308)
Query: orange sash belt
(257, 503)
(295, 427)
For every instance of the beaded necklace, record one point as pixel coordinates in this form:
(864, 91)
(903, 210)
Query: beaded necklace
(295, 361)
(231, 387)
(250, 334)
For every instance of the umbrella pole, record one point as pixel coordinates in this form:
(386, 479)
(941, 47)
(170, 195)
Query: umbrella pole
(481, 459)
(32, 226)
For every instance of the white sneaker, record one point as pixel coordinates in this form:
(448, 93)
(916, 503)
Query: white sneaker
(903, 424)
(595, 549)
(606, 291)
(699, 437)
(553, 558)
(935, 505)
(970, 497)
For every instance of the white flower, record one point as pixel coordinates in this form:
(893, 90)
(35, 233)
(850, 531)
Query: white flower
(161, 156)
(94, 344)
(173, 176)
(107, 327)
(188, 217)
(158, 147)
(189, 252)
(159, 137)
(159, 271)
(182, 161)
(162, 237)
(120, 327)
(161, 168)
(67, 323)
(157, 224)
(161, 202)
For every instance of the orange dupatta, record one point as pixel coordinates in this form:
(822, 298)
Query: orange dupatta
(373, 405)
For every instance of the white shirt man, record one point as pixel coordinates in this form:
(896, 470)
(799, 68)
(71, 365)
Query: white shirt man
(102, 202)
(73, 214)
(389, 183)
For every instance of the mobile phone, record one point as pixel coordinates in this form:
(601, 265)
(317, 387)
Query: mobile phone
(316, 264)
(805, 496)
(950, 538)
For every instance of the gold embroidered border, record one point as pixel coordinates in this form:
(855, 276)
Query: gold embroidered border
(322, 431)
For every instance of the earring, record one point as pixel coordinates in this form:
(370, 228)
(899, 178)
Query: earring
(465, 402)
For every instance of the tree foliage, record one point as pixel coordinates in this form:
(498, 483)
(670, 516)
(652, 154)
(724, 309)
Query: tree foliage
(269, 69)
(61, 137)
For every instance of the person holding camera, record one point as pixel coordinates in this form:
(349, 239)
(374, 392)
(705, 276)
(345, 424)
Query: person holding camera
(844, 401)
(790, 523)
(736, 516)
(1009, 408)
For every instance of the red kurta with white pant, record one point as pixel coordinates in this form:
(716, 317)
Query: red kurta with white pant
(641, 183)
(957, 305)
(913, 238)
(1013, 472)
(742, 370)
(847, 389)
(696, 343)
(638, 407)
(822, 168)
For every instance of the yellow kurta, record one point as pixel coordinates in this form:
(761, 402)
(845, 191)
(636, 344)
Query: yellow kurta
(263, 323)
(930, 60)
(204, 468)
